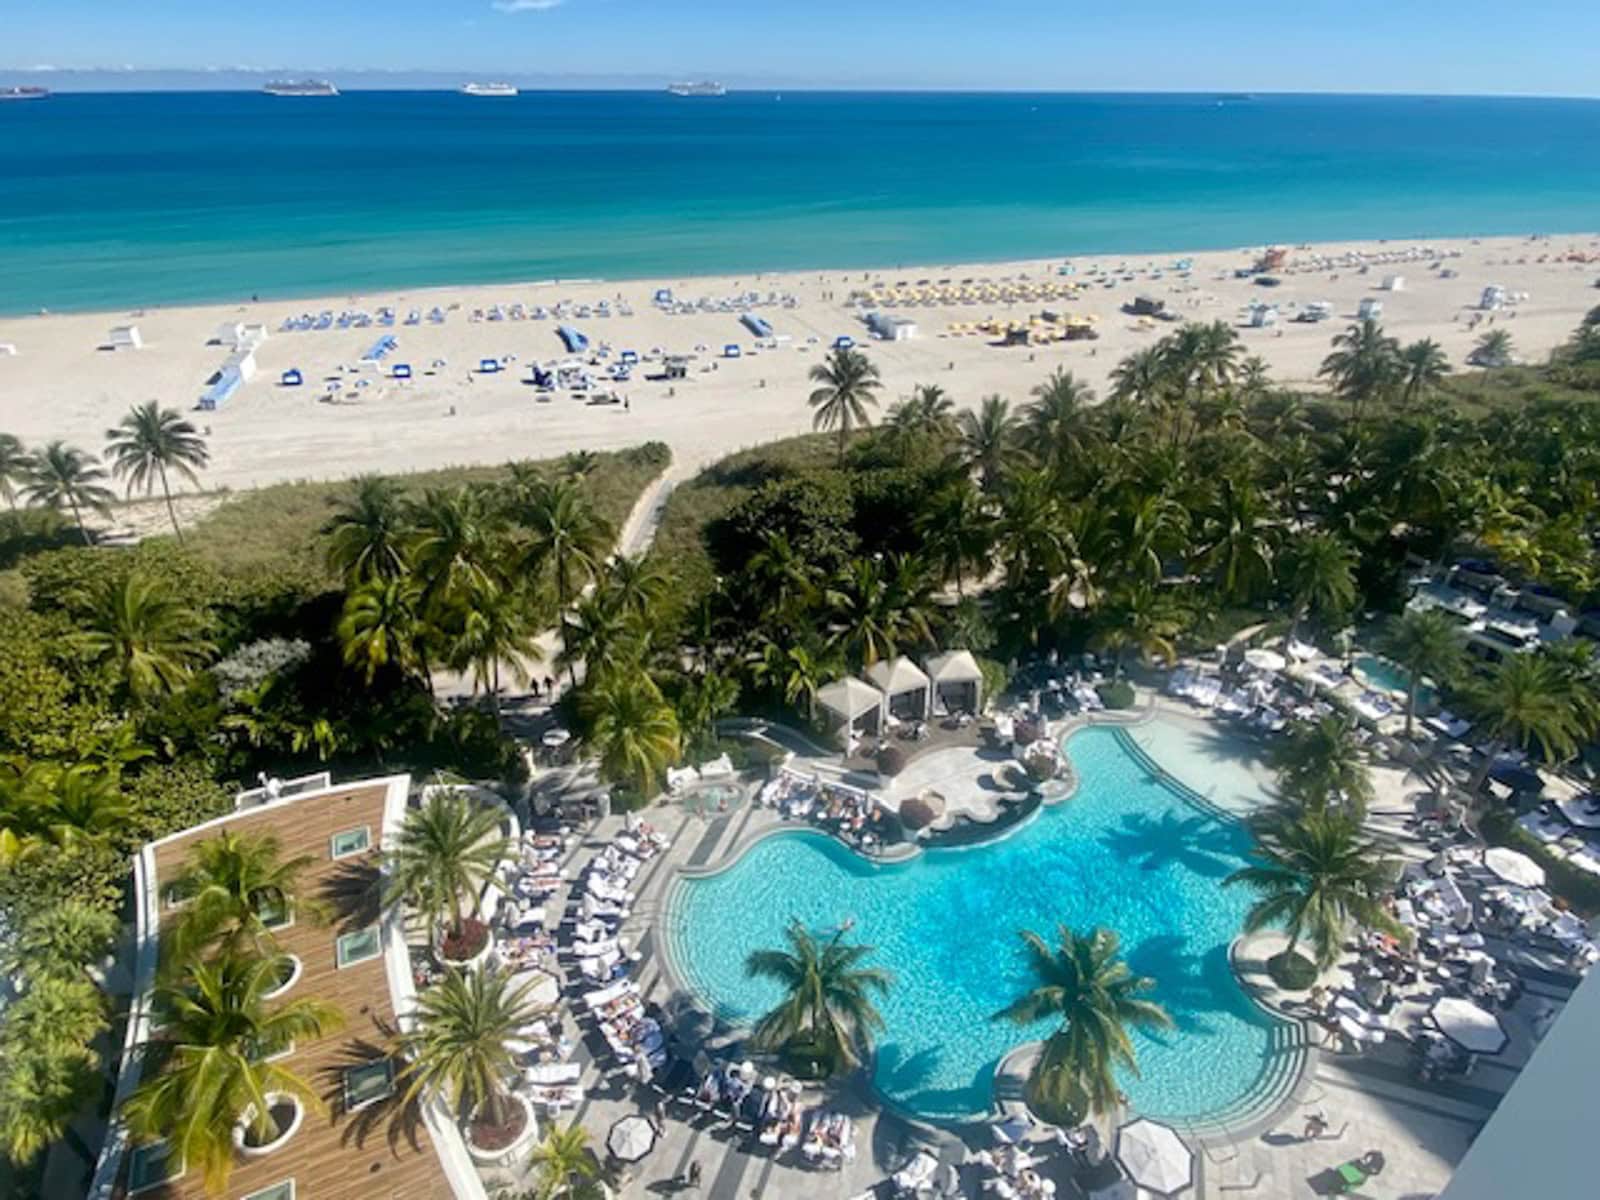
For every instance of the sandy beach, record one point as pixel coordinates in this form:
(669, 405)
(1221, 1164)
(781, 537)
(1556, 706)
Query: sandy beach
(62, 383)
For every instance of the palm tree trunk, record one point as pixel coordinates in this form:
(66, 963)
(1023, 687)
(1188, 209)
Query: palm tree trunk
(844, 433)
(172, 513)
(494, 686)
(1411, 702)
(1491, 753)
(1294, 629)
(77, 514)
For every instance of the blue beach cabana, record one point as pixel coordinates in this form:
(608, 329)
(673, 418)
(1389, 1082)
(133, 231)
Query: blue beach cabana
(401, 371)
(488, 366)
(291, 378)
(572, 339)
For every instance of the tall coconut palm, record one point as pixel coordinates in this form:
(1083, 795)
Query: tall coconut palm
(1060, 431)
(566, 1166)
(1237, 541)
(1319, 570)
(1138, 618)
(496, 629)
(928, 415)
(827, 1016)
(1525, 704)
(1316, 875)
(62, 476)
(1424, 642)
(236, 888)
(16, 467)
(633, 730)
(137, 627)
(599, 634)
(208, 1066)
(446, 853)
(635, 584)
(1321, 765)
(454, 546)
(43, 1091)
(1423, 368)
(958, 533)
(462, 1044)
(151, 442)
(567, 539)
(1099, 1002)
(1493, 349)
(847, 382)
(785, 580)
(882, 608)
(989, 440)
(367, 533)
(379, 627)
(1364, 366)
(1141, 378)
(791, 671)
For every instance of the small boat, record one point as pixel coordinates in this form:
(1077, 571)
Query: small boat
(703, 88)
(489, 89)
(300, 87)
(24, 93)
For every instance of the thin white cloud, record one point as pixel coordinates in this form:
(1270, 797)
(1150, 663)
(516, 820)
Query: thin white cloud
(516, 6)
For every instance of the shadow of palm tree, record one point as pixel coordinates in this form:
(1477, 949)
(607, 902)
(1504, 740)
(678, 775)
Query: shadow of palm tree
(399, 1119)
(898, 1071)
(1182, 984)
(1196, 842)
(353, 894)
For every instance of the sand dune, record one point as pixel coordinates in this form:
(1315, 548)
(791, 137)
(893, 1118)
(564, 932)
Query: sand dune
(59, 384)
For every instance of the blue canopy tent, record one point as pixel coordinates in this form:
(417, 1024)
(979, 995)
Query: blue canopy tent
(291, 378)
(629, 358)
(574, 341)
(843, 342)
(756, 325)
(401, 371)
(731, 350)
(488, 366)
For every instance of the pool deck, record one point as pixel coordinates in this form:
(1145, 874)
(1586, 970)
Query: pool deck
(1370, 1101)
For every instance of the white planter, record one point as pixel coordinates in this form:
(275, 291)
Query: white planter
(476, 961)
(530, 1130)
(284, 1134)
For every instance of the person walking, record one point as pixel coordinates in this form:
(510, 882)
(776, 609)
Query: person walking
(694, 1175)
(1316, 1126)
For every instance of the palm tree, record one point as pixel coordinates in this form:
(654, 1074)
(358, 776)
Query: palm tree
(1141, 619)
(1216, 354)
(1237, 541)
(1099, 1001)
(989, 440)
(827, 1016)
(235, 889)
(566, 1165)
(1364, 366)
(495, 628)
(1424, 642)
(882, 607)
(1320, 571)
(1141, 377)
(928, 415)
(957, 532)
(785, 580)
(635, 584)
(597, 633)
(1423, 368)
(367, 532)
(1493, 349)
(16, 467)
(52, 1070)
(63, 476)
(48, 806)
(792, 671)
(462, 1044)
(634, 731)
(1526, 703)
(1316, 875)
(445, 855)
(1060, 432)
(1321, 764)
(566, 537)
(144, 633)
(454, 546)
(379, 627)
(62, 941)
(152, 441)
(847, 382)
(208, 1066)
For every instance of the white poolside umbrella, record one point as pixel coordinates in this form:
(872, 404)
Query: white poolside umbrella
(1155, 1157)
(1514, 866)
(1474, 1029)
(631, 1139)
(1263, 659)
(556, 737)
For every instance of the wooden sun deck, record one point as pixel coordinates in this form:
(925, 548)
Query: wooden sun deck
(334, 1155)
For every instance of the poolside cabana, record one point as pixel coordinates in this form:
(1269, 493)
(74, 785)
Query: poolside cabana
(957, 682)
(907, 690)
(858, 707)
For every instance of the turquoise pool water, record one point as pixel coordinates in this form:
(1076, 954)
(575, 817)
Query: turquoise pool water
(1129, 852)
(1381, 673)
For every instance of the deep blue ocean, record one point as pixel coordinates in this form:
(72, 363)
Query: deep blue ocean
(120, 200)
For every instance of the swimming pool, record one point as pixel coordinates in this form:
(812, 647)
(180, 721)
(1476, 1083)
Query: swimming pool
(1129, 852)
(1381, 673)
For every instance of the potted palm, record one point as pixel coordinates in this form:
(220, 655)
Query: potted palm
(443, 860)
(460, 1048)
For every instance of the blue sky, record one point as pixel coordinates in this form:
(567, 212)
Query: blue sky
(1541, 47)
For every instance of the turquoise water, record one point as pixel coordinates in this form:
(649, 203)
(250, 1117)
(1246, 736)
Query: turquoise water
(121, 200)
(1381, 673)
(1127, 853)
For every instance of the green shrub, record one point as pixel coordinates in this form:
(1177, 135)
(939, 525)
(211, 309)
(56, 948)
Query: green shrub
(1118, 694)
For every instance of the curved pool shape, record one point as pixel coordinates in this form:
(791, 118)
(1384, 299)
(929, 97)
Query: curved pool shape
(1131, 851)
(1381, 673)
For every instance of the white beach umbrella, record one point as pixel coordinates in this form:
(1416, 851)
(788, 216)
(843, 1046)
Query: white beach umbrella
(631, 1139)
(1474, 1029)
(1263, 659)
(1514, 866)
(1155, 1157)
(556, 737)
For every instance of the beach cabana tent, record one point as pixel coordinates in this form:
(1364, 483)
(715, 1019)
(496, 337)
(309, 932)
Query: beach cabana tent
(291, 378)
(402, 371)
(488, 366)
(858, 706)
(907, 690)
(957, 682)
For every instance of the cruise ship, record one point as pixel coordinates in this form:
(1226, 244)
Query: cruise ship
(23, 93)
(489, 89)
(705, 88)
(300, 87)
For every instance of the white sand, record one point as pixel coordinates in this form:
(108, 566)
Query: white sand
(61, 385)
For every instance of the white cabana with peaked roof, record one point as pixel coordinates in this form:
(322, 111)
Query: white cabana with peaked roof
(858, 706)
(957, 682)
(907, 690)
